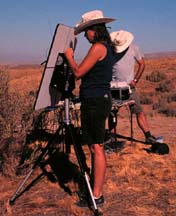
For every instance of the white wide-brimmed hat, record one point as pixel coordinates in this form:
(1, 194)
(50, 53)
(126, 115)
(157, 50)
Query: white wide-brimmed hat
(91, 18)
(122, 40)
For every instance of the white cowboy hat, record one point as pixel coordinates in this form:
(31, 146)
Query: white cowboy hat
(91, 18)
(121, 39)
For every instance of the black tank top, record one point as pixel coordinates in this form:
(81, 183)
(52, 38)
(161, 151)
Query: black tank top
(96, 82)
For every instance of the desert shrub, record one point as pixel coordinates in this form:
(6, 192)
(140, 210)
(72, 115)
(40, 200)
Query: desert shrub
(33, 93)
(171, 97)
(3, 99)
(156, 76)
(163, 107)
(168, 111)
(165, 86)
(155, 106)
(150, 94)
(145, 99)
(15, 120)
(161, 103)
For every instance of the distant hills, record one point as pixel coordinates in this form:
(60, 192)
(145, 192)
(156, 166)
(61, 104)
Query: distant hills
(161, 54)
(15, 59)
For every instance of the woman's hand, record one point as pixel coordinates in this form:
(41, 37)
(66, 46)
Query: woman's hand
(69, 53)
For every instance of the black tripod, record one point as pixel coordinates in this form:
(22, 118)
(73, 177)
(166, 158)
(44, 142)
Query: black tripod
(64, 135)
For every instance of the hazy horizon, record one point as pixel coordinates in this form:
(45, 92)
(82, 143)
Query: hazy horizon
(37, 60)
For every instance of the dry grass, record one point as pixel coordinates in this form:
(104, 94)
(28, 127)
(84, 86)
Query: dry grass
(137, 183)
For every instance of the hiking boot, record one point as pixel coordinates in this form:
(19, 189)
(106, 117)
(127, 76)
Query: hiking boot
(84, 202)
(150, 140)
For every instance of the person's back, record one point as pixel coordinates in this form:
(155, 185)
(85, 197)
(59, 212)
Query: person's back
(123, 69)
(97, 82)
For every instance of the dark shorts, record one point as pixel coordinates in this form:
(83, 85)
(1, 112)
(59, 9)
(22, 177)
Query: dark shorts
(135, 108)
(94, 112)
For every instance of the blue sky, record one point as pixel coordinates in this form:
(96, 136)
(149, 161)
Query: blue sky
(27, 26)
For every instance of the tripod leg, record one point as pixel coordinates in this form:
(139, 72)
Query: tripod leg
(44, 152)
(112, 120)
(12, 200)
(17, 192)
(131, 122)
(91, 194)
(74, 140)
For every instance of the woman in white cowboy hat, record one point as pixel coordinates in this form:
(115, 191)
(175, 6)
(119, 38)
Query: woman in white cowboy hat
(96, 73)
(127, 55)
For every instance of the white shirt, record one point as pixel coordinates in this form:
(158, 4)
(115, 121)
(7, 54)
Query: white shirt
(123, 70)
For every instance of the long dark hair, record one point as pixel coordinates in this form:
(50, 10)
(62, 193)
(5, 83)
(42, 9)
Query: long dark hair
(102, 34)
